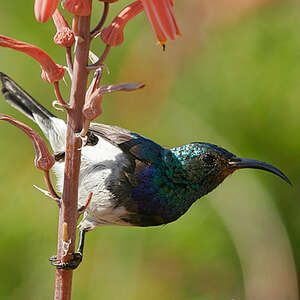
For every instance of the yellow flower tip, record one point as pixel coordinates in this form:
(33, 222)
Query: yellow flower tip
(161, 18)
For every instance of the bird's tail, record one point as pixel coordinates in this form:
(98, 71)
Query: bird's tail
(53, 128)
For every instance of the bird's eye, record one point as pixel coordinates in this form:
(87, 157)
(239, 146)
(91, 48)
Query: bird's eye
(208, 158)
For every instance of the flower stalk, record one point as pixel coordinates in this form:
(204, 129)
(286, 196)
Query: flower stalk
(68, 212)
(84, 105)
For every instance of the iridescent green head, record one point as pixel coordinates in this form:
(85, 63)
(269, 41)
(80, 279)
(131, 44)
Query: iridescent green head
(208, 165)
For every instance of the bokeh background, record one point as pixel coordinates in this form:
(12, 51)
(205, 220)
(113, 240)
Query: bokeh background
(232, 79)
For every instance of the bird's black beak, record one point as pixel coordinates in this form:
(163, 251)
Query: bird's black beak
(240, 163)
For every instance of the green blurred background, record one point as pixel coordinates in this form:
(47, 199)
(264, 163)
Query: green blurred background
(232, 79)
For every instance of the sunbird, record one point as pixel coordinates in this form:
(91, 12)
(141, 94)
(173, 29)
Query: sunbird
(134, 181)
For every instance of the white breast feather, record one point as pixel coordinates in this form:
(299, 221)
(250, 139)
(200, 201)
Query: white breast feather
(99, 164)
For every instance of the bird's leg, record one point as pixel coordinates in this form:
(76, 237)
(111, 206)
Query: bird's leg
(77, 256)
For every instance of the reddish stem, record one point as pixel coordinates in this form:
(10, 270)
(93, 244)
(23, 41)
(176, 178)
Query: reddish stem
(98, 63)
(68, 212)
(99, 26)
(69, 59)
(83, 208)
(59, 96)
(50, 188)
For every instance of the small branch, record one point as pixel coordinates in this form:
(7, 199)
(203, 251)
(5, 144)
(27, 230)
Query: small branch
(99, 26)
(51, 190)
(69, 59)
(46, 193)
(85, 128)
(75, 25)
(59, 96)
(93, 57)
(83, 208)
(100, 61)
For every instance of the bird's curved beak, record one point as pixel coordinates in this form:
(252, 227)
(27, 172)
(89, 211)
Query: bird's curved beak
(240, 163)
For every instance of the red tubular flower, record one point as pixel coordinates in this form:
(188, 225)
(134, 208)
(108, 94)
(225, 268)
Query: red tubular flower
(93, 98)
(109, 1)
(161, 18)
(79, 7)
(43, 9)
(92, 108)
(64, 36)
(113, 34)
(159, 13)
(43, 158)
(51, 72)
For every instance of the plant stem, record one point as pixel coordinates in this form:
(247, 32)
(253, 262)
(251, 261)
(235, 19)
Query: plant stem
(68, 211)
(102, 58)
(99, 26)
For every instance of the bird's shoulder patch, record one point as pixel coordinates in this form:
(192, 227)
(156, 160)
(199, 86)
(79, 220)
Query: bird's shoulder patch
(131, 143)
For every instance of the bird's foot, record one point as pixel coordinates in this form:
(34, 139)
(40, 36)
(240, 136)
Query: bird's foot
(77, 256)
(68, 265)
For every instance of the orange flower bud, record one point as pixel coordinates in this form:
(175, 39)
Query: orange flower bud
(92, 108)
(79, 7)
(51, 72)
(44, 160)
(113, 34)
(161, 18)
(64, 36)
(43, 9)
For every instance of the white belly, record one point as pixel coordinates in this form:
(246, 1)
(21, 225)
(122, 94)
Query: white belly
(100, 164)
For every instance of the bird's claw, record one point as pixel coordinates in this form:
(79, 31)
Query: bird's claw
(77, 256)
(68, 265)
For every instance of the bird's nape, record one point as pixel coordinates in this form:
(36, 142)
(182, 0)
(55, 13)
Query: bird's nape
(241, 163)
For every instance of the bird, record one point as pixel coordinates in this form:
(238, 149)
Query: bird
(134, 181)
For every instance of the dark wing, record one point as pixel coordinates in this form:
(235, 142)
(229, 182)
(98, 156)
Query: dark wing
(131, 143)
(143, 152)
